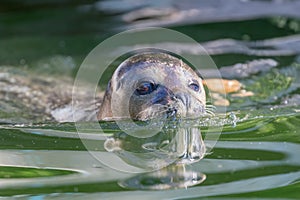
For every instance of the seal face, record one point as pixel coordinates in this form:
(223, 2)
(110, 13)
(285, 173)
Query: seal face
(151, 85)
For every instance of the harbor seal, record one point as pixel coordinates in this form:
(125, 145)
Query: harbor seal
(150, 85)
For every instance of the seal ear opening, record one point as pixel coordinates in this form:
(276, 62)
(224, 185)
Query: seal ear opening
(105, 112)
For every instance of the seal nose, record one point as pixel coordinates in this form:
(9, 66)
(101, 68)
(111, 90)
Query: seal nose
(163, 96)
(184, 98)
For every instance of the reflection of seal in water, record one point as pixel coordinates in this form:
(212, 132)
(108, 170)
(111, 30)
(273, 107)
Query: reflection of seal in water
(150, 85)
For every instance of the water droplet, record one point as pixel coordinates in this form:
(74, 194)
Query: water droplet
(76, 189)
(22, 61)
(233, 118)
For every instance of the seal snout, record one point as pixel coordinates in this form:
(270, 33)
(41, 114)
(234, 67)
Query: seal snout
(184, 98)
(164, 96)
(177, 103)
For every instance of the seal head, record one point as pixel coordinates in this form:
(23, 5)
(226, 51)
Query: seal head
(151, 85)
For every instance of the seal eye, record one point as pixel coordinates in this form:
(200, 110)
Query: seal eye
(195, 87)
(145, 88)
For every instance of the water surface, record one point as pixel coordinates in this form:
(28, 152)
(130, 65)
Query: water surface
(257, 155)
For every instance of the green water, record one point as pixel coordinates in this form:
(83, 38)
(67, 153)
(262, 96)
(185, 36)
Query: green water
(258, 157)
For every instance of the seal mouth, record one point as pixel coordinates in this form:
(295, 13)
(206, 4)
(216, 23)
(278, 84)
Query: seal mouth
(171, 112)
(176, 108)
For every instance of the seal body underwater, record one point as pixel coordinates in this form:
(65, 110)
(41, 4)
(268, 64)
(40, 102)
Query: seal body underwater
(151, 85)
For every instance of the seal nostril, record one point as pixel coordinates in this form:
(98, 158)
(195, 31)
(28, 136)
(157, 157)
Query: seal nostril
(173, 98)
(182, 97)
(186, 101)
